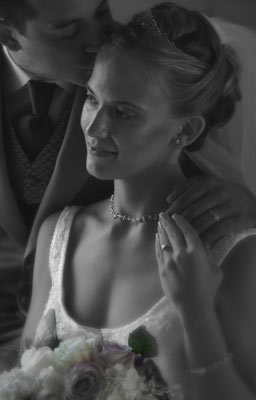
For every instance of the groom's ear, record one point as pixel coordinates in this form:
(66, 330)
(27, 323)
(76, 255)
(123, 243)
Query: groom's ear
(7, 36)
(192, 129)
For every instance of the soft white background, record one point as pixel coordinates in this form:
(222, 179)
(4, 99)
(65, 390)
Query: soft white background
(240, 11)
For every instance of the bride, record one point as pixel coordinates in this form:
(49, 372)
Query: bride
(157, 88)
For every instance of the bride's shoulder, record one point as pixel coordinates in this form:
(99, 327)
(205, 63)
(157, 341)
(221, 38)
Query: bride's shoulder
(47, 228)
(95, 210)
(237, 291)
(92, 213)
(79, 217)
(240, 260)
(57, 221)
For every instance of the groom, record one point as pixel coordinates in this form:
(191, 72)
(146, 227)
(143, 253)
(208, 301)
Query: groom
(48, 49)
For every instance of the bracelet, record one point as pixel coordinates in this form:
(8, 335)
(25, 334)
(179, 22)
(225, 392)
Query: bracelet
(212, 367)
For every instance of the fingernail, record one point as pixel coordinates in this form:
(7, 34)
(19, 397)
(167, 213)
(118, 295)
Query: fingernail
(163, 218)
(160, 226)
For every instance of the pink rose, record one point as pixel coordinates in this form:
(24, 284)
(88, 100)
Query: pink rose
(113, 353)
(83, 381)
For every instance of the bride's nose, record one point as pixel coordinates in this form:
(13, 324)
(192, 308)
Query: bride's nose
(98, 125)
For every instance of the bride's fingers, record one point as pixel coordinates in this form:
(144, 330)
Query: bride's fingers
(167, 267)
(159, 253)
(173, 232)
(189, 233)
(164, 251)
(165, 246)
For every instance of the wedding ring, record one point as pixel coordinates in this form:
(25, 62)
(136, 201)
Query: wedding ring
(165, 247)
(214, 215)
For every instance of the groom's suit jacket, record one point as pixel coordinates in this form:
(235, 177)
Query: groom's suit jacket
(69, 184)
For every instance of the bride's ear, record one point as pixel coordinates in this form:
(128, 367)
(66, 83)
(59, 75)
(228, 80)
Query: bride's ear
(192, 129)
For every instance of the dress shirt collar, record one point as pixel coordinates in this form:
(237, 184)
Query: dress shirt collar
(15, 76)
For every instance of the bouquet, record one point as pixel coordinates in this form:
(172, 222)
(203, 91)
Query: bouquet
(88, 368)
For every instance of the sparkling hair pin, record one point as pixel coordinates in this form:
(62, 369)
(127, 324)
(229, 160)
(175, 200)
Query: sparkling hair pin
(147, 21)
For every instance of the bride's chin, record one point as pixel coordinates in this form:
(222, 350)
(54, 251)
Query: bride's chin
(100, 172)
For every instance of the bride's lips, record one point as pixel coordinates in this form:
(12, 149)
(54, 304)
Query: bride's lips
(100, 151)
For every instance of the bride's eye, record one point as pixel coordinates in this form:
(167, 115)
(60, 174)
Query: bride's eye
(124, 113)
(91, 99)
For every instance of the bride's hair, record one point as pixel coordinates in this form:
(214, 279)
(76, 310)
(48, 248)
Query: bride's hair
(200, 73)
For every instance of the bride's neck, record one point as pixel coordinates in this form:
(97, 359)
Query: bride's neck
(146, 194)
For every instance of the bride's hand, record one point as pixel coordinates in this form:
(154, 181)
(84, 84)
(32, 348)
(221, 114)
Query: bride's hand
(213, 206)
(188, 277)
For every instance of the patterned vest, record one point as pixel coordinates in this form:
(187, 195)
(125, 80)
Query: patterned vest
(30, 179)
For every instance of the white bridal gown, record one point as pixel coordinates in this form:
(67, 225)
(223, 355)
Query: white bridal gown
(160, 320)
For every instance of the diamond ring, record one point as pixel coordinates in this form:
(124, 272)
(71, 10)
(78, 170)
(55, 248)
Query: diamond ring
(165, 247)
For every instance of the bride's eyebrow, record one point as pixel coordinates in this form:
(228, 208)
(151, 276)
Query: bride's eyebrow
(128, 104)
(119, 102)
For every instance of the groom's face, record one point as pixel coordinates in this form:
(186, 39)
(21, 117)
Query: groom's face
(126, 119)
(60, 41)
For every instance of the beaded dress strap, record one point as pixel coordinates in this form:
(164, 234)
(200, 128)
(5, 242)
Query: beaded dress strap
(60, 239)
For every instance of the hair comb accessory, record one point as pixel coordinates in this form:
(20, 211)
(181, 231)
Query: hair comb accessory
(147, 21)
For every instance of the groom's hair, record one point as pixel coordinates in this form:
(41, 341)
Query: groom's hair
(182, 47)
(16, 13)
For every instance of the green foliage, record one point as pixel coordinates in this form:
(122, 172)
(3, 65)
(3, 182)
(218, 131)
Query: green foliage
(143, 343)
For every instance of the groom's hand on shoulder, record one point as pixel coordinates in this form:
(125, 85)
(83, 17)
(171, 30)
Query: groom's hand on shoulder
(214, 207)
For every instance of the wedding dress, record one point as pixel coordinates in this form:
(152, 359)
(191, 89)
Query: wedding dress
(161, 320)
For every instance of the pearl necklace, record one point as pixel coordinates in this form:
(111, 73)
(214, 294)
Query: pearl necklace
(132, 220)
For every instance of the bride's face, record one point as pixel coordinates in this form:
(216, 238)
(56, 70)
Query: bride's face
(127, 120)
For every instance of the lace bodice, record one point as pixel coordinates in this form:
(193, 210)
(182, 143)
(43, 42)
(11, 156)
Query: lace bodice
(160, 320)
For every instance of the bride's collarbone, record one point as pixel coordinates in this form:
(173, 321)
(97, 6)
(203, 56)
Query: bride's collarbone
(114, 245)
(114, 281)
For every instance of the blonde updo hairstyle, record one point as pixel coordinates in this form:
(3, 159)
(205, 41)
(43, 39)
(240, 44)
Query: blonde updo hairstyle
(200, 73)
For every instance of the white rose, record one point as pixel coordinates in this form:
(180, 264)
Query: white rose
(16, 385)
(132, 380)
(75, 350)
(116, 394)
(49, 385)
(127, 384)
(34, 360)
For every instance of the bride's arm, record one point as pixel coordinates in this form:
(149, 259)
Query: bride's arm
(221, 348)
(41, 281)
